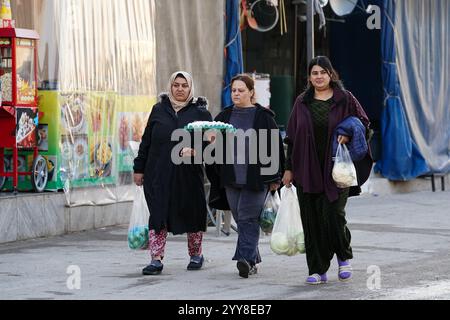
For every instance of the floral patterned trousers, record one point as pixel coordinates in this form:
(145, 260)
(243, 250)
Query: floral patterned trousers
(158, 243)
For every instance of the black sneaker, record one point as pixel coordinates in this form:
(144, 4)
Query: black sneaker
(196, 263)
(154, 268)
(243, 267)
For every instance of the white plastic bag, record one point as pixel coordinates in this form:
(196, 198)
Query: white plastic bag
(287, 234)
(269, 213)
(344, 172)
(138, 228)
(133, 148)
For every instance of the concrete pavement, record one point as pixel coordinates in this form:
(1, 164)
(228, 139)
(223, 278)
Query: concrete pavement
(401, 246)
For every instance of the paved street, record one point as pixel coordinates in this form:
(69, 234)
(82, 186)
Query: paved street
(403, 238)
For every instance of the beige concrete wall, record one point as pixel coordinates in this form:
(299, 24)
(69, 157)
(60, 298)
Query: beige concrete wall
(33, 216)
(190, 37)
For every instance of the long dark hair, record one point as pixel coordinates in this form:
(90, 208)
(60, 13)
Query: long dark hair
(325, 63)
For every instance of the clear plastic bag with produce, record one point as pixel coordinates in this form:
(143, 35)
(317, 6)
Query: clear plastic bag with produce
(138, 228)
(287, 234)
(269, 212)
(344, 171)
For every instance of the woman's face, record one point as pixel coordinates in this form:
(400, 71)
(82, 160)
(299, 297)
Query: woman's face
(240, 94)
(320, 78)
(180, 89)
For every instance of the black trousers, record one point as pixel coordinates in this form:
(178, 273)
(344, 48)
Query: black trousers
(325, 229)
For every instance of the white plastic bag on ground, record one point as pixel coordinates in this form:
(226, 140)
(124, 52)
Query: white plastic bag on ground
(287, 234)
(138, 228)
(344, 172)
(269, 213)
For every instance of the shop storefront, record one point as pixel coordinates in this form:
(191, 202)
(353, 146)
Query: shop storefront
(96, 86)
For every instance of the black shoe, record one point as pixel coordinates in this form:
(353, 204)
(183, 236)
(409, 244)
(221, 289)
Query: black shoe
(196, 263)
(243, 267)
(153, 269)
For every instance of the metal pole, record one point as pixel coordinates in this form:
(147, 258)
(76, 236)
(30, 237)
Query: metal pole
(310, 29)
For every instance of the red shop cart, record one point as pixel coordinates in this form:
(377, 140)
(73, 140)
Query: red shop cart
(19, 115)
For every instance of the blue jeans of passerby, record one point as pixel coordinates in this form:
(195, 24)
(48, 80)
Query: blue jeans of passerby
(246, 206)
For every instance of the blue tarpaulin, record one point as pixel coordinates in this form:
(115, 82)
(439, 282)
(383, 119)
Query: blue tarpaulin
(400, 157)
(234, 64)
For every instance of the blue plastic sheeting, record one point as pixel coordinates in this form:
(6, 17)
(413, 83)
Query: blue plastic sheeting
(234, 64)
(423, 56)
(400, 158)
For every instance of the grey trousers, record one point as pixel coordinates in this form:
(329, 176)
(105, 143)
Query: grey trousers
(246, 206)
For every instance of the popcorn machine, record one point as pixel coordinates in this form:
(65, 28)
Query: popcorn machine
(19, 116)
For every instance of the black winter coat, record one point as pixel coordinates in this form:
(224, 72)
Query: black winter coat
(175, 193)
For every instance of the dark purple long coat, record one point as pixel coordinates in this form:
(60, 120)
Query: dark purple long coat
(305, 163)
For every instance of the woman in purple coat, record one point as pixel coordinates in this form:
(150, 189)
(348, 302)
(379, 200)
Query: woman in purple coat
(315, 116)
